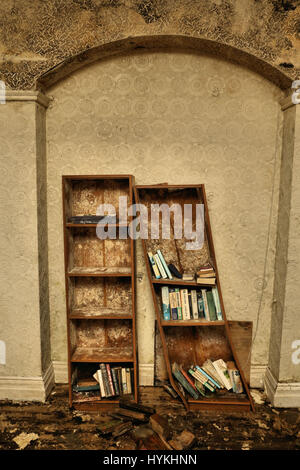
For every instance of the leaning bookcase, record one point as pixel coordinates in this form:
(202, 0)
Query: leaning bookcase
(190, 341)
(100, 288)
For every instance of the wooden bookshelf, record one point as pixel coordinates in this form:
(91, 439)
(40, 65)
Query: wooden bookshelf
(188, 342)
(100, 287)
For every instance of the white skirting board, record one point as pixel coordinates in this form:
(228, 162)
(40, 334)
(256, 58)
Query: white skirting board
(27, 388)
(257, 375)
(282, 395)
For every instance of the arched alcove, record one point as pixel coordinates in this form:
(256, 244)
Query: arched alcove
(180, 115)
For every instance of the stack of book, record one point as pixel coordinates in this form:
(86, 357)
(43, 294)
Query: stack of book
(112, 381)
(159, 266)
(186, 304)
(209, 378)
(206, 275)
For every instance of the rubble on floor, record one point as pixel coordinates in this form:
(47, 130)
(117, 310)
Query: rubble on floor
(159, 423)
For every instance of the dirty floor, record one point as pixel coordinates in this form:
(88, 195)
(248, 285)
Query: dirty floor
(52, 425)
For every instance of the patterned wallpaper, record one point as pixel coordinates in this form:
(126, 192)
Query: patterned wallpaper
(182, 118)
(20, 322)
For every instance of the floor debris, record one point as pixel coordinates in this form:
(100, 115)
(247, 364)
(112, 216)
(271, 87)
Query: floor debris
(23, 439)
(53, 425)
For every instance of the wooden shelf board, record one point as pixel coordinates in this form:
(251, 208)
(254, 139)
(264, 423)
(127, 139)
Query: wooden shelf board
(103, 355)
(191, 323)
(180, 283)
(100, 317)
(99, 314)
(100, 272)
(70, 225)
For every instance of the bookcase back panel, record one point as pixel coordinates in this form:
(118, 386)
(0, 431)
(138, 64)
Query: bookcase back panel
(175, 249)
(241, 335)
(193, 345)
(89, 251)
(103, 334)
(85, 196)
(96, 296)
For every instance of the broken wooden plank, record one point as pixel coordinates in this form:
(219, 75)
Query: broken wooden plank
(160, 425)
(123, 428)
(132, 415)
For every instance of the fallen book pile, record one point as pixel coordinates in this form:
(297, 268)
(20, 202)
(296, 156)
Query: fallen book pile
(186, 304)
(144, 428)
(108, 382)
(211, 377)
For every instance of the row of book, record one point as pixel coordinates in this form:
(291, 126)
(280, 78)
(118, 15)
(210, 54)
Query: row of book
(185, 304)
(205, 275)
(112, 381)
(208, 378)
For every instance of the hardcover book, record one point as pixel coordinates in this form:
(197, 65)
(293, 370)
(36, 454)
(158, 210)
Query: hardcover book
(166, 268)
(194, 304)
(211, 306)
(165, 299)
(205, 305)
(153, 265)
(182, 380)
(173, 304)
(179, 306)
(160, 266)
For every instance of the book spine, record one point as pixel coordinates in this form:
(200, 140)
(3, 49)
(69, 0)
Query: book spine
(217, 303)
(119, 378)
(194, 304)
(110, 381)
(201, 379)
(200, 305)
(200, 387)
(206, 380)
(185, 302)
(208, 376)
(115, 381)
(165, 299)
(105, 380)
(160, 266)
(211, 306)
(179, 306)
(124, 381)
(181, 379)
(162, 259)
(205, 304)
(153, 265)
(182, 304)
(101, 384)
(173, 304)
(188, 379)
(128, 380)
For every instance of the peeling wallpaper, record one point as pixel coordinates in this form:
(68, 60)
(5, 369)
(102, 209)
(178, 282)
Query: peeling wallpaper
(182, 118)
